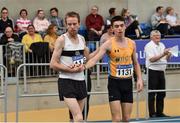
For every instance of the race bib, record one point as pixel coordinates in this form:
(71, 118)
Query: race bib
(124, 71)
(79, 59)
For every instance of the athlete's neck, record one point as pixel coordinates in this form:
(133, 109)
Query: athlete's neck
(120, 39)
(73, 37)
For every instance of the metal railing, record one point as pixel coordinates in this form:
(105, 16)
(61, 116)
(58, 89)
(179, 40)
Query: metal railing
(162, 90)
(3, 94)
(36, 71)
(25, 94)
(18, 95)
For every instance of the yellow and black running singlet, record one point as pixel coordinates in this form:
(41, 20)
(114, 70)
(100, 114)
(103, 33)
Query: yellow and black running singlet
(120, 63)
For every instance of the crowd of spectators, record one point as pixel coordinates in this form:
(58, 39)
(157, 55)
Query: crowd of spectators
(166, 21)
(47, 29)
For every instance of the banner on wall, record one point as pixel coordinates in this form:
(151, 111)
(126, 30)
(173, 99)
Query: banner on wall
(173, 44)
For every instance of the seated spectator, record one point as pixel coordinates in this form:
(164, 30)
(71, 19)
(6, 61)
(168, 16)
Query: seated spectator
(13, 50)
(31, 37)
(108, 34)
(94, 24)
(159, 22)
(40, 22)
(9, 36)
(55, 19)
(22, 23)
(51, 36)
(173, 21)
(132, 25)
(5, 21)
(112, 13)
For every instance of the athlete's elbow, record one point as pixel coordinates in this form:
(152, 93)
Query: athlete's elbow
(52, 66)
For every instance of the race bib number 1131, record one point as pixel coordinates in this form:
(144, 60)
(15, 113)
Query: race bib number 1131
(124, 71)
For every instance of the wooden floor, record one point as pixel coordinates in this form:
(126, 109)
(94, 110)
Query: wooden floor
(97, 113)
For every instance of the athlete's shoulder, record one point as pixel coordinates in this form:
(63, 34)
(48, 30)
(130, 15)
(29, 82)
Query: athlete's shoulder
(130, 40)
(60, 40)
(81, 37)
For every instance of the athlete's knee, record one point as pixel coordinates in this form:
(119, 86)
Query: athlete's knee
(125, 118)
(116, 118)
(78, 117)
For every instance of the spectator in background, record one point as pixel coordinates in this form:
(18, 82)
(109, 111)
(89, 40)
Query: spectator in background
(112, 13)
(173, 21)
(22, 23)
(13, 50)
(9, 36)
(5, 21)
(40, 22)
(156, 53)
(94, 24)
(132, 25)
(51, 36)
(159, 22)
(106, 36)
(58, 21)
(31, 37)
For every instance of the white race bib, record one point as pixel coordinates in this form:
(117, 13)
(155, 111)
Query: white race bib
(124, 71)
(79, 59)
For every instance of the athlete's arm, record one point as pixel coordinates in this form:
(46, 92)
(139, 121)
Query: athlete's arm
(55, 60)
(100, 53)
(87, 53)
(137, 70)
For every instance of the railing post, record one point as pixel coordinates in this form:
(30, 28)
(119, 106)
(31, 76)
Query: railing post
(147, 92)
(85, 106)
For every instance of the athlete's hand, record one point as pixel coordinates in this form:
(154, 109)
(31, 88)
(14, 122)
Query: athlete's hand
(77, 68)
(71, 66)
(139, 85)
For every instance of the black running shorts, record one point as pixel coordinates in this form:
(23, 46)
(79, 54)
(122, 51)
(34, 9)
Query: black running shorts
(71, 89)
(120, 89)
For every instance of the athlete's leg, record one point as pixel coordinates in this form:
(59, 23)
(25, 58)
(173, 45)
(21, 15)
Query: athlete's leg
(115, 111)
(126, 111)
(81, 104)
(75, 108)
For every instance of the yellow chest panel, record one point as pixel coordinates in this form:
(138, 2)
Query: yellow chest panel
(121, 59)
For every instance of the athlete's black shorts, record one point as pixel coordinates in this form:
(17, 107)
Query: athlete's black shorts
(71, 89)
(120, 89)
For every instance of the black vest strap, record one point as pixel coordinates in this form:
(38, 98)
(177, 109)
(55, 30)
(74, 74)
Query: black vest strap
(72, 53)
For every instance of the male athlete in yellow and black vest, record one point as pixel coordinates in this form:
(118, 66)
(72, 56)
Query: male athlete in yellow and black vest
(122, 63)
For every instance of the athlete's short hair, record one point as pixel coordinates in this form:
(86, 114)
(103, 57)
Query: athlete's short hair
(72, 14)
(116, 18)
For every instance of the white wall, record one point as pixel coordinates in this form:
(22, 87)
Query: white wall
(142, 8)
(145, 8)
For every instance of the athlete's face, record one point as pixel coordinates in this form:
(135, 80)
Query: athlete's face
(72, 25)
(119, 28)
